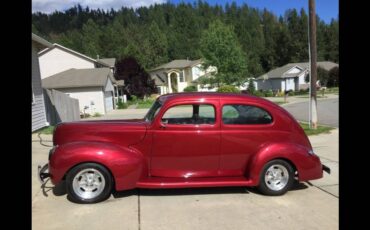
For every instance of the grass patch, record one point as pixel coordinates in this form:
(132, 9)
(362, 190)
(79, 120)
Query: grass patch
(46, 130)
(320, 129)
(317, 96)
(144, 104)
(280, 102)
(97, 114)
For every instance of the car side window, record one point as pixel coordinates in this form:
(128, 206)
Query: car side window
(190, 114)
(244, 114)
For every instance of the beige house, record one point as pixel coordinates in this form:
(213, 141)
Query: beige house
(58, 60)
(176, 75)
(92, 87)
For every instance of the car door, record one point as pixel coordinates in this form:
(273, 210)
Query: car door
(244, 129)
(186, 141)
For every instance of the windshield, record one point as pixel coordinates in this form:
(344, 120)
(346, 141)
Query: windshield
(153, 111)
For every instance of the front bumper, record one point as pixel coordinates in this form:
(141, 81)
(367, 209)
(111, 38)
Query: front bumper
(326, 169)
(43, 173)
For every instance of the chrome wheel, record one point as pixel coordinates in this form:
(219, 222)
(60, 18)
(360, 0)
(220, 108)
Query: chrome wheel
(88, 183)
(276, 177)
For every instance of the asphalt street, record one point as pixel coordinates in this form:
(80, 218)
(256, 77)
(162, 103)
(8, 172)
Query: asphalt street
(327, 110)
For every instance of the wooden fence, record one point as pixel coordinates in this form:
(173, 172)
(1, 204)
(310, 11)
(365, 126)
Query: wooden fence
(60, 107)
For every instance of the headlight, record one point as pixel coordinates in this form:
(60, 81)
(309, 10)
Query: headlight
(311, 152)
(52, 151)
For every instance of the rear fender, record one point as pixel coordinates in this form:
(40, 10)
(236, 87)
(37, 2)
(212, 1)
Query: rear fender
(125, 164)
(305, 164)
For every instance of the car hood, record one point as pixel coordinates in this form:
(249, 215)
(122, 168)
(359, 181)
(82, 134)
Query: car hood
(121, 132)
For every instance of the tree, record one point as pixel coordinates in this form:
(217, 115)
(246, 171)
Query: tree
(137, 81)
(158, 46)
(332, 41)
(164, 32)
(91, 35)
(219, 47)
(251, 87)
(322, 76)
(333, 80)
(228, 89)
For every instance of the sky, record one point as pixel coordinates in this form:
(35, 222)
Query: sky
(326, 9)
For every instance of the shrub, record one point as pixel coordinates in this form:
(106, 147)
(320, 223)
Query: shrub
(97, 114)
(258, 93)
(291, 93)
(251, 88)
(121, 105)
(280, 94)
(144, 104)
(190, 88)
(301, 92)
(269, 93)
(85, 115)
(333, 80)
(134, 98)
(228, 89)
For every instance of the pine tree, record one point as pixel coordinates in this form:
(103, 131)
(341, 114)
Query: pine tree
(91, 34)
(220, 47)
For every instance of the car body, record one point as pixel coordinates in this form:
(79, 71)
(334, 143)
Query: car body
(185, 140)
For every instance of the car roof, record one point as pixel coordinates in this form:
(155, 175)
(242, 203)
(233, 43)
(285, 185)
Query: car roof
(210, 95)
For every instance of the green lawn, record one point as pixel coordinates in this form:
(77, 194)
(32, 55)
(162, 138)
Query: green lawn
(317, 96)
(46, 130)
(144, 104)
(280, 102)
(320, 129)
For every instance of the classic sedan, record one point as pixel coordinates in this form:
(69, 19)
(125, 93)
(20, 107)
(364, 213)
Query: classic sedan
(185, 140)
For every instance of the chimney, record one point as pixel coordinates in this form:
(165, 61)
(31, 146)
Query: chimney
(97, 56)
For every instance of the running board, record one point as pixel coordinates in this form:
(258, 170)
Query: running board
(164, 182)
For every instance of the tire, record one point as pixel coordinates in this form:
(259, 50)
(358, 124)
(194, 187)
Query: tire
(89, 183)
(276, 178)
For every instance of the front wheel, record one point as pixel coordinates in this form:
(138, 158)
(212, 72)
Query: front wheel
(89, 183)
(276, 178)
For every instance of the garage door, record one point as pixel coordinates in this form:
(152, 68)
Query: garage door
(108, 101)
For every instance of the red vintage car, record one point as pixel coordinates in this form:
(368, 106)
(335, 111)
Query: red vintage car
(185, 140)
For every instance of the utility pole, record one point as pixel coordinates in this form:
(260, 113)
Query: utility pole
(313, 69)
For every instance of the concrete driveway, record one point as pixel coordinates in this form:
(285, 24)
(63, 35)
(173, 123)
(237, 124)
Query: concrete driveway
(310, 205)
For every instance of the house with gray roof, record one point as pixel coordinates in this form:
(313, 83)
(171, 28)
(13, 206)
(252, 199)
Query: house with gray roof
(58, 58)
(38, 106)
(176, 75)
(92, 87)
(289, 77)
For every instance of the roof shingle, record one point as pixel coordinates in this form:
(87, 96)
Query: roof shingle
(76, 78)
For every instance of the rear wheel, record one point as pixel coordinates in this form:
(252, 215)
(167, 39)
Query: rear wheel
(89, 183)
(276, 178)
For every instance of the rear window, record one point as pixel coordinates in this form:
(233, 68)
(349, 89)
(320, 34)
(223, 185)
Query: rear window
(244, 115)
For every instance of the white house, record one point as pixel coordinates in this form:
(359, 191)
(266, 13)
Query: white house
(58, 58)
(289, 77)
(92, 87)
(176, 75)
(38, 106)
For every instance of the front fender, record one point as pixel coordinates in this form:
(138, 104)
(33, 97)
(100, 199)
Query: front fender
(124, 163)
(308, 166)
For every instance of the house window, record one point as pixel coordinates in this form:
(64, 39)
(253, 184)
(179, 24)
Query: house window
(182, 79)
(244, 115)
